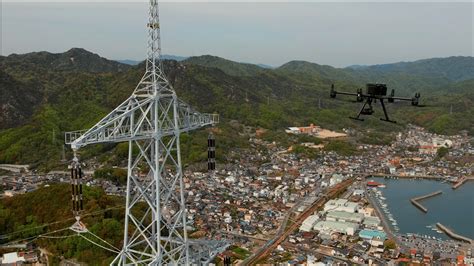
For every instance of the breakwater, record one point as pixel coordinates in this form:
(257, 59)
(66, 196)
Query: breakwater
(453, 235)
(415, 202)
(461, 181)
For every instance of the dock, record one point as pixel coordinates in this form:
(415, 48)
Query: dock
(415, 202)
(461, 181)
(453, 235)
(428, 177)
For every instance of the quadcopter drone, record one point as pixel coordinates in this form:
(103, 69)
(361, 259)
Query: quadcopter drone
(374, 92)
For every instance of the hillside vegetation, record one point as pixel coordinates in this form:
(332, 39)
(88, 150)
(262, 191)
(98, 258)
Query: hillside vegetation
(63, 95)
(103, 215)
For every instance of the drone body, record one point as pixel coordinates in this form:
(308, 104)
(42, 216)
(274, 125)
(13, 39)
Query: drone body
(374, 92)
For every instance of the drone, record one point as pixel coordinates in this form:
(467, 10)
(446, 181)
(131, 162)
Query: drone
(374, 92)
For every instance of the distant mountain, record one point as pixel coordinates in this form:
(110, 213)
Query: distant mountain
(75, 60)
(454, 68)
(265, 66)
(229, 67)
(129, 62)
(18, 101)
(174, 57)
(164, 57)
(311, 69)
(427, 76)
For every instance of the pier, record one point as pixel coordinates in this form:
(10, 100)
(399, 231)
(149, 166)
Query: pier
(461, 181)
(453, 235)
(415, 202)
(429, 177)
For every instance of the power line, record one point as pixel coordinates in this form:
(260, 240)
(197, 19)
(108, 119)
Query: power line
(103, 240)
(46, 235)
(59, 222)
(32, 238)
(115, 250)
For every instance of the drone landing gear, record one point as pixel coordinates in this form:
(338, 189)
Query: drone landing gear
(385, 113)
(364, 110)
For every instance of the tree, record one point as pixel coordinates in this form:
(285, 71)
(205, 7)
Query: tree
(389, 244)
(442, 151)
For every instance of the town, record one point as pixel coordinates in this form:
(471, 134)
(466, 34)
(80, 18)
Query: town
(256, 198)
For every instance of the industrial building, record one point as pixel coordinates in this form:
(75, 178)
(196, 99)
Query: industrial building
(309, 223)
(371, 221)
(342, 216)
(328, 227)
(341, 205)
(372, 234)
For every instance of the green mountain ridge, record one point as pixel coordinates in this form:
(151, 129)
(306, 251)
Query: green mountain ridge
(77, 98)
(454, 68)
(75, 59)
(229, 67)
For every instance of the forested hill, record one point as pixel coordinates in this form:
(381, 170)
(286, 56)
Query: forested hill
(18, 101)
(454, 68)
(75, 59)
(62, 94)
(229, 67)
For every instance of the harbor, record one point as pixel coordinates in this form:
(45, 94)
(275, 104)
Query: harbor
(392, 197)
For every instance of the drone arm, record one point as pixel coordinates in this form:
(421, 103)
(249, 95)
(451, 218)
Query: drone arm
(398, 98)
(346, 93)
(414, 101)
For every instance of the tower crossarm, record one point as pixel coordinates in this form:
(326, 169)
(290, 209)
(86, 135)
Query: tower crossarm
(132, 120)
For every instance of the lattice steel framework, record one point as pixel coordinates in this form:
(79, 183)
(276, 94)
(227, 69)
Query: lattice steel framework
(151, 121)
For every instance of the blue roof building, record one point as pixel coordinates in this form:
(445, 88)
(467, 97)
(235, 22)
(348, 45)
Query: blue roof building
(371, 234)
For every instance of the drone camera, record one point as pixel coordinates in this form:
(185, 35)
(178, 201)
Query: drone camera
(376, 89)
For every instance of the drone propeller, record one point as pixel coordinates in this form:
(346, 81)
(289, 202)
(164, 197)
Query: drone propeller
(390, 98)
(415, 100)
(359, 95)
(333, 91)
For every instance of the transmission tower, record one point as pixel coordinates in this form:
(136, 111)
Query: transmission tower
(151, 121)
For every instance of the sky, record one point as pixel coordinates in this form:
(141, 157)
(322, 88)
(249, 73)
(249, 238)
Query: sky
(267, 32)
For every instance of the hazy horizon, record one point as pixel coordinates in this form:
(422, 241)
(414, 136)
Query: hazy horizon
(336, 34)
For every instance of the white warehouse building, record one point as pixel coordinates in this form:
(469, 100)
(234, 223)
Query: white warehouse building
(328, 227)
(341, 216)
(309, 223)
(341, 205)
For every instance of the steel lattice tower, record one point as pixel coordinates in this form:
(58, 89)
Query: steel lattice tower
(151, 121)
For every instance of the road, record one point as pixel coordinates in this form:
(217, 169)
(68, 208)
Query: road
(242, 235)
(279, 238)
